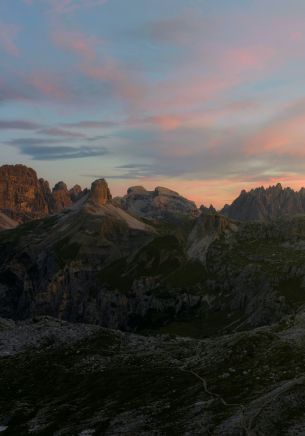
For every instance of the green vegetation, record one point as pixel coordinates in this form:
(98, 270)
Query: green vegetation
(293, 290)
(66, 250)
(187, 275)
(32, 228)
(114, 276)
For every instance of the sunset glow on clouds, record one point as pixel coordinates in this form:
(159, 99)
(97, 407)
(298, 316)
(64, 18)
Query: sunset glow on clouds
(204, 97)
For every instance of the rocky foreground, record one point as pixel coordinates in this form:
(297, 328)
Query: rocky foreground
(58, 378)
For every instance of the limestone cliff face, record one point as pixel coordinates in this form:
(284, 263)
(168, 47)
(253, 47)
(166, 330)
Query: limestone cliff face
(22, 195)
(162, 203)
(262, 204)
(61, 197)
(100, 193)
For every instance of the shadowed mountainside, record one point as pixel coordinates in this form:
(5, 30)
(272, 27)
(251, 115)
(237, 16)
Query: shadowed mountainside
(96, 263)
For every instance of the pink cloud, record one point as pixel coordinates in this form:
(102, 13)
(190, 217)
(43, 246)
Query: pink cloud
(8, 35)
(164, 122)
(196, 119)
(100, 67)
(284, 135)
(121, 82)
(253, 58)
(49, 85)
(76, 42)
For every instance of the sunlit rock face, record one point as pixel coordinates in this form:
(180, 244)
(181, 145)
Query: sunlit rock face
(22, 196)
(100, 193)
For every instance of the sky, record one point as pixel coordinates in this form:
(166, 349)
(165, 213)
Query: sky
(206, 97)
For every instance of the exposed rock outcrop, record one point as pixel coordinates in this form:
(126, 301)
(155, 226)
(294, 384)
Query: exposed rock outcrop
(207, 210)
(61, 197)
(262, 204)
(160, 204)
(22, 195)
(208, 227)
(75, 193)
(100, 193)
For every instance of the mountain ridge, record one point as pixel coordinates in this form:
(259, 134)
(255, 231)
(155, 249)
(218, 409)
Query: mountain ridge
(262, 204)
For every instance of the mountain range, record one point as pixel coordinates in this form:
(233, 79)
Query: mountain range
(145, 314)
(263, 204)
(23, 197)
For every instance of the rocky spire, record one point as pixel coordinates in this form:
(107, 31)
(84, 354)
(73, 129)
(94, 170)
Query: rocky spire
(60, 197)
(100, 193)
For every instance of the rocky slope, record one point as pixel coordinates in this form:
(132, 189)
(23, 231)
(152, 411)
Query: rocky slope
(54, 265)
(24, 197)
(266, 204)
(60, 378)
(160, 204)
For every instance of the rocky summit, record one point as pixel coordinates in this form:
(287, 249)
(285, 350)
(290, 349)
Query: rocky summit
(144, 315)
(162, 203)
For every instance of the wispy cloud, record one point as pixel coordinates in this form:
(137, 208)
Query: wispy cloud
(50, 85)
(8, 37)
(86, 124)
(101, 68)
(19, 125)
(77, 42)
(55, 131)
(283, 135)
(52, 149)
(66, 6)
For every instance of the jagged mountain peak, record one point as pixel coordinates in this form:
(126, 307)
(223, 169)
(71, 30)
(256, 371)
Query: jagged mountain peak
(266, 203)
